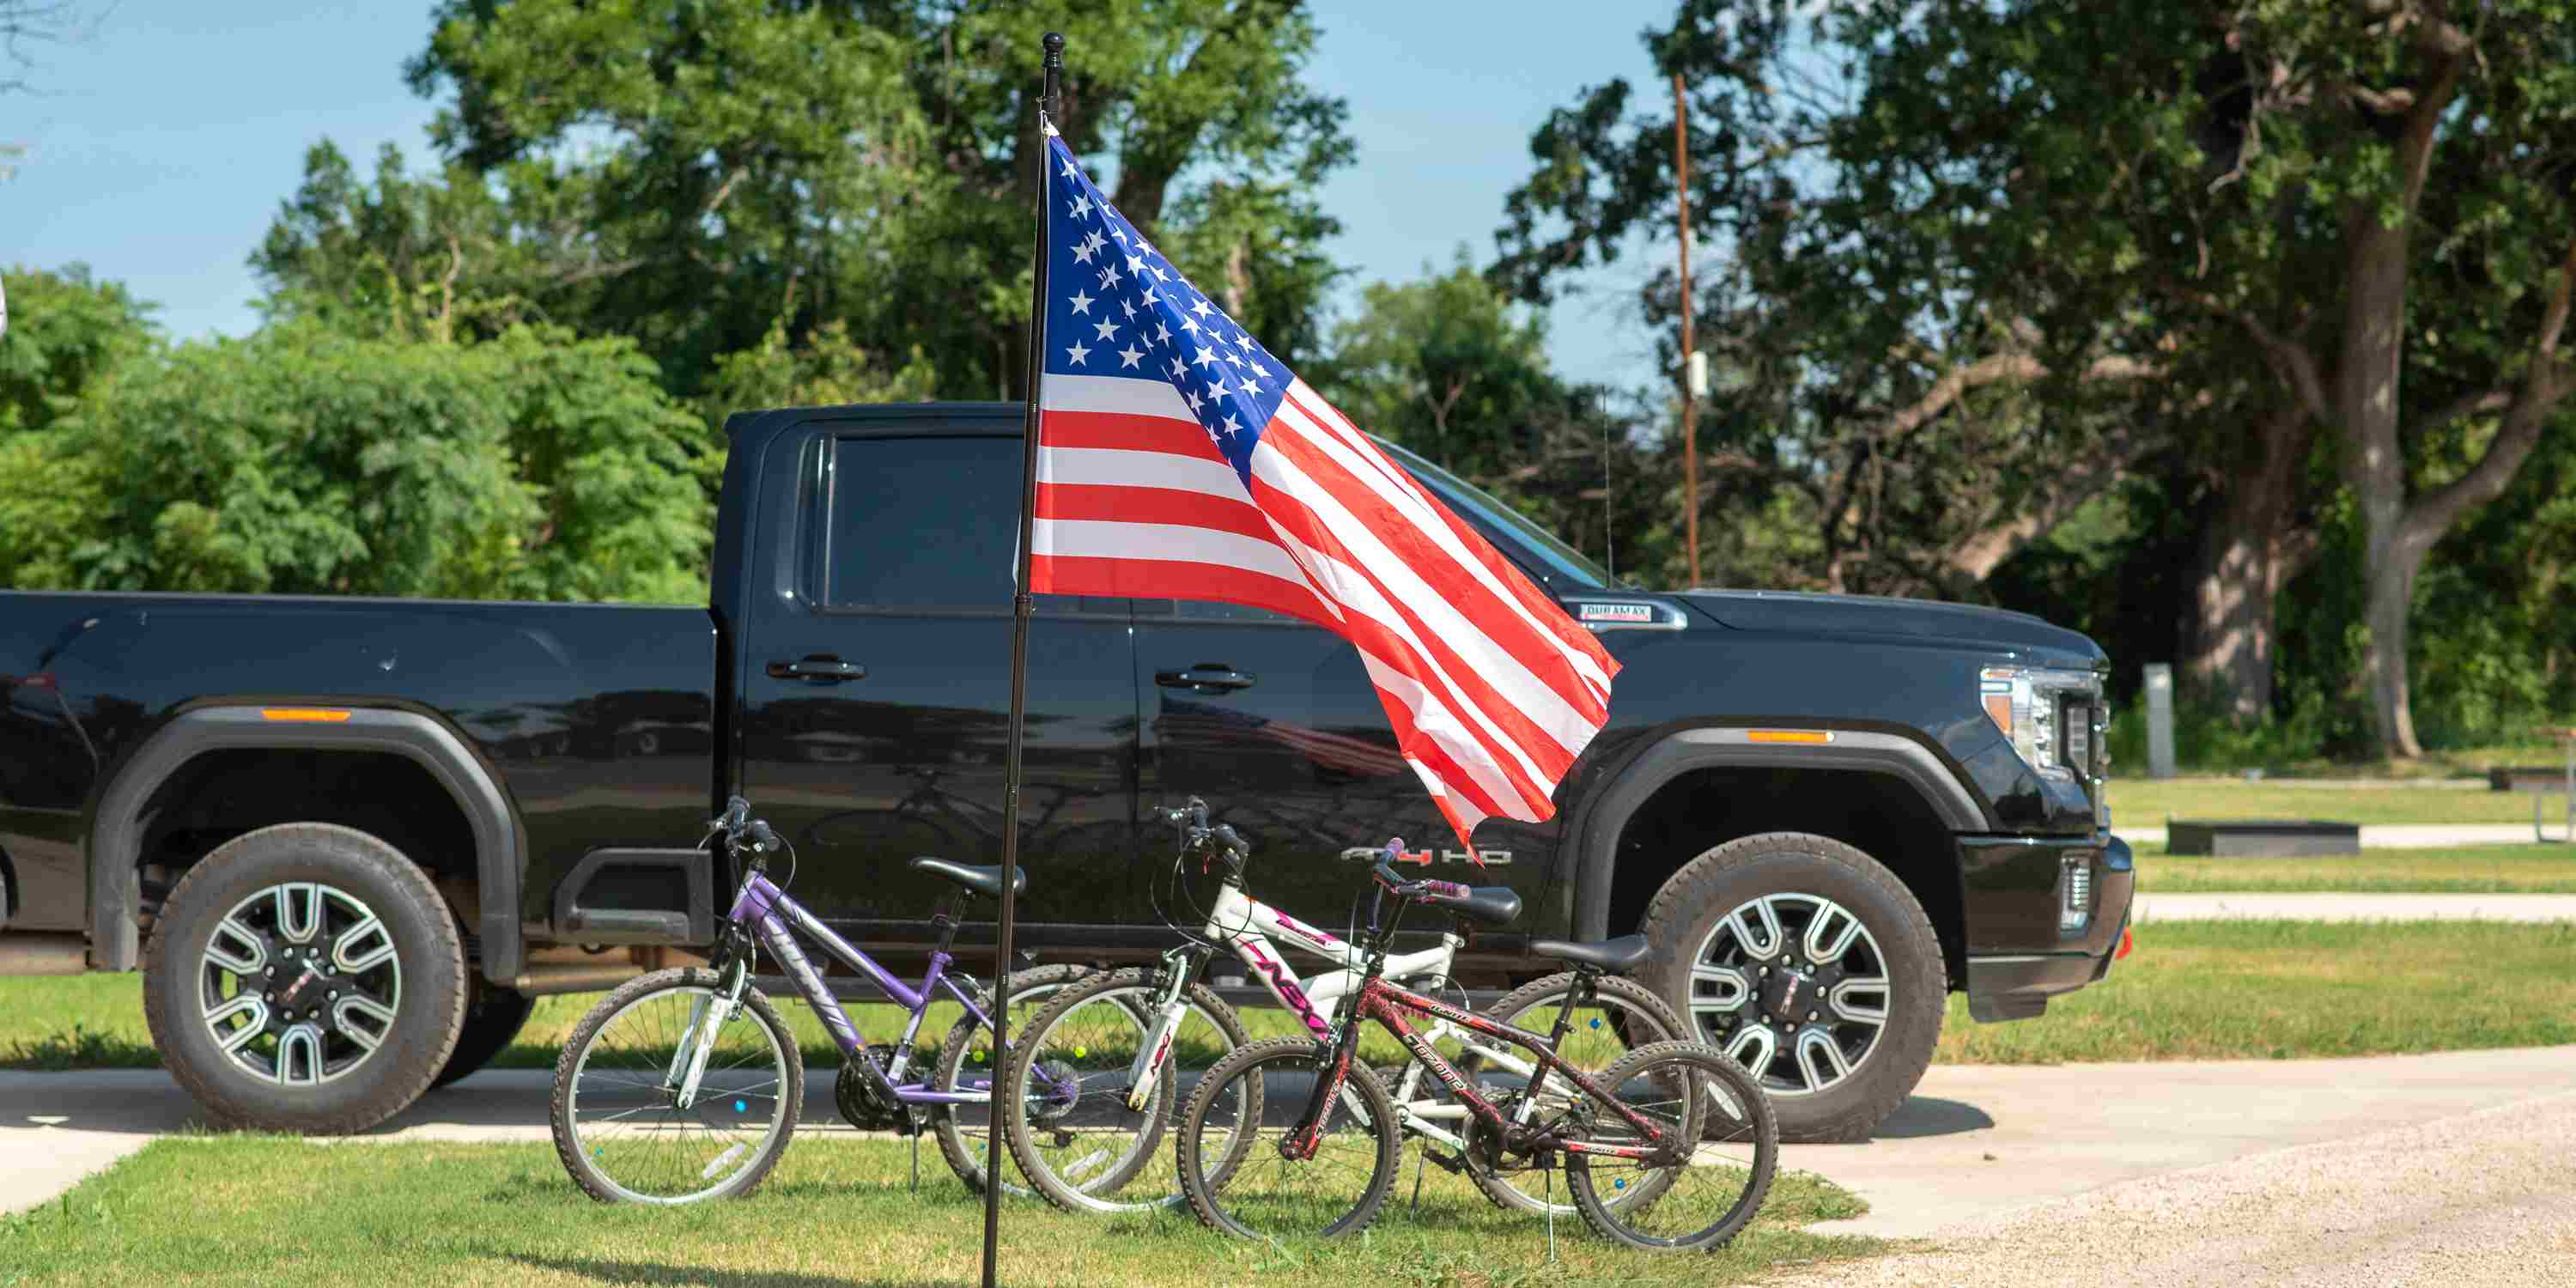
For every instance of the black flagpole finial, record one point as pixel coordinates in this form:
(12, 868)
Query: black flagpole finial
(1054, 43)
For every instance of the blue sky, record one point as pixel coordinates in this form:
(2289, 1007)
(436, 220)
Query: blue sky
(162, 146)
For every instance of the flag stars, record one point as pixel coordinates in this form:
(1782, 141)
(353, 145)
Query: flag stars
(1129, 356)
(1109, 276)
(1081, 303)
(1231, 425)
(1081, 207)
(1108, 330)
(1082, 251)
(1204, 357)
(1194, 401)
(1201, 308)
(1178, 367)
(1135, 263)
(1077, 353)
(1235, 358)
(1128, 310)
(1251, 387)
(1163, 335)
(1217, 390)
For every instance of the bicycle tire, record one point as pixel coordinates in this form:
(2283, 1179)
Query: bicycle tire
(1700, 1121)
(1018, 1131)
(1380, 1151)
(964, 1152)
(584, 1154)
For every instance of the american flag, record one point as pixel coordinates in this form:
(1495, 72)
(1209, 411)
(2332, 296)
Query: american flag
(1178, 459)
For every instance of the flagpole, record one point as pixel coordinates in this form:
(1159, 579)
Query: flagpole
(1021, 603)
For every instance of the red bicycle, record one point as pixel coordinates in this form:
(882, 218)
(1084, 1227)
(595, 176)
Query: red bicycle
(1671, 1147)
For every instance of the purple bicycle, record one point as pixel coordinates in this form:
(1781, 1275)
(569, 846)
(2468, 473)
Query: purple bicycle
(686, 1085)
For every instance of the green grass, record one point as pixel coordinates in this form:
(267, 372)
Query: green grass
(2479, 869)
(2139, 802)
(265, 1210)
(2252, 990)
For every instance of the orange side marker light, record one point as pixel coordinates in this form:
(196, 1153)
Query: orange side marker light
(1788, 735)
(2128, 942)
(304, 715)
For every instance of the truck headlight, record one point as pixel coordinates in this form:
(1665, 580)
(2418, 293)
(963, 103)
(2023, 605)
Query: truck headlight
(2048, 714)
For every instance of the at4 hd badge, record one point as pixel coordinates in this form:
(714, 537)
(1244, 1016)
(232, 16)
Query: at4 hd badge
(1425, 858)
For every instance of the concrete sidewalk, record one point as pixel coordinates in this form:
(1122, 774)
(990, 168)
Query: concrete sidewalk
(2355, 907)
(1975, 1141)
(2407, 836)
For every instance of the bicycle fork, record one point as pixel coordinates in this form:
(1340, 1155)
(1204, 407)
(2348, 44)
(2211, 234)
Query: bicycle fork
(1180, 966)
(707, 1018)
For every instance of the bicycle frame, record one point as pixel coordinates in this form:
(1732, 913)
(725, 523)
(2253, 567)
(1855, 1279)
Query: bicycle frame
(778, 919)
(1388, 1004)
(1244, 926)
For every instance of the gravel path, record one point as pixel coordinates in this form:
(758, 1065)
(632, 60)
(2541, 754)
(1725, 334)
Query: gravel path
(2481, 1198)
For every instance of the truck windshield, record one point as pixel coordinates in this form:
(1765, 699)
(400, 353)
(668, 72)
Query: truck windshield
(1565, 568)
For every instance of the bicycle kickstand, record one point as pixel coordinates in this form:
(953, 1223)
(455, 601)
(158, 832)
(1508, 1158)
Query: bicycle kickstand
(916, 1164)
(1547, 1166)
(1421, 1158)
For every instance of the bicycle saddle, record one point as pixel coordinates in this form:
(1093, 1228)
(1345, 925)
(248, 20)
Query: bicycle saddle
(1492, 905)
(983, 881)
(1617, 956)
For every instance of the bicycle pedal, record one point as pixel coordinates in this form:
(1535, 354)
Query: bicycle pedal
(1449, 1163)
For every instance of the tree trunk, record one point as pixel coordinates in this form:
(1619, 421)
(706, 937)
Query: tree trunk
(2366, 401)
(2253, 548)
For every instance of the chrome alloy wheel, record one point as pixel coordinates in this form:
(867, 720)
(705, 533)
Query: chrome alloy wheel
(300, 983)
(1794, 988)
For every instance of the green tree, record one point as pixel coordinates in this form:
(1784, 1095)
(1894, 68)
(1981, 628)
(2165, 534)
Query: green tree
(2298, 218)
(1449, 366)
(71, 333)
(302, 460)
(69, 330)
(695, 174)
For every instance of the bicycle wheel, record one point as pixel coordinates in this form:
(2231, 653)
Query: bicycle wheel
(1335, 1191)
(1704, 1171)
(618, 1125)
(1621, 1016)
(964, 1062)
(1065, 1110)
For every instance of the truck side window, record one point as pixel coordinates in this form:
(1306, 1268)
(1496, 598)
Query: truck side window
(928, 523)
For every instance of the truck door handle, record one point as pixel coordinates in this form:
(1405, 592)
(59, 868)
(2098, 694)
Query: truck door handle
(1205, 677)
(818, 669)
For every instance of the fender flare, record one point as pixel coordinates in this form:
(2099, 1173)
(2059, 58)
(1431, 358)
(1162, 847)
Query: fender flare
(116, 835)
(1596, 832)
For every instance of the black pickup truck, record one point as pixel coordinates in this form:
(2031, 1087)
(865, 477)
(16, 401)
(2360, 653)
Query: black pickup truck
(348, 840)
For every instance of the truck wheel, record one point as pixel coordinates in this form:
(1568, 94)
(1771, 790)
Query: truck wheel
(493, 1016)
(304, 978)
(1812, 965)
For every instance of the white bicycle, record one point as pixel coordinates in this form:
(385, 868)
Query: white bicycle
(1121, 1050)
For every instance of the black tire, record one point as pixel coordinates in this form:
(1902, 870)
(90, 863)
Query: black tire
(789, 1063)
(354, 1086)
(1106, 1192)
(963, 1140)
(1700, 1204)
(1533, 1006)
(1799, 870)
(1234, 1197)
(493, 1016)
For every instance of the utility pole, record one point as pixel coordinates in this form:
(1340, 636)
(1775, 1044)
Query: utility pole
(1691, 370)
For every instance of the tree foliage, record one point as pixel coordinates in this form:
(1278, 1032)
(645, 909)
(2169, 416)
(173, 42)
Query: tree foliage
(1449, 366)
(69, 330)
(698, 175)
(2167, 224)
(530, 466)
